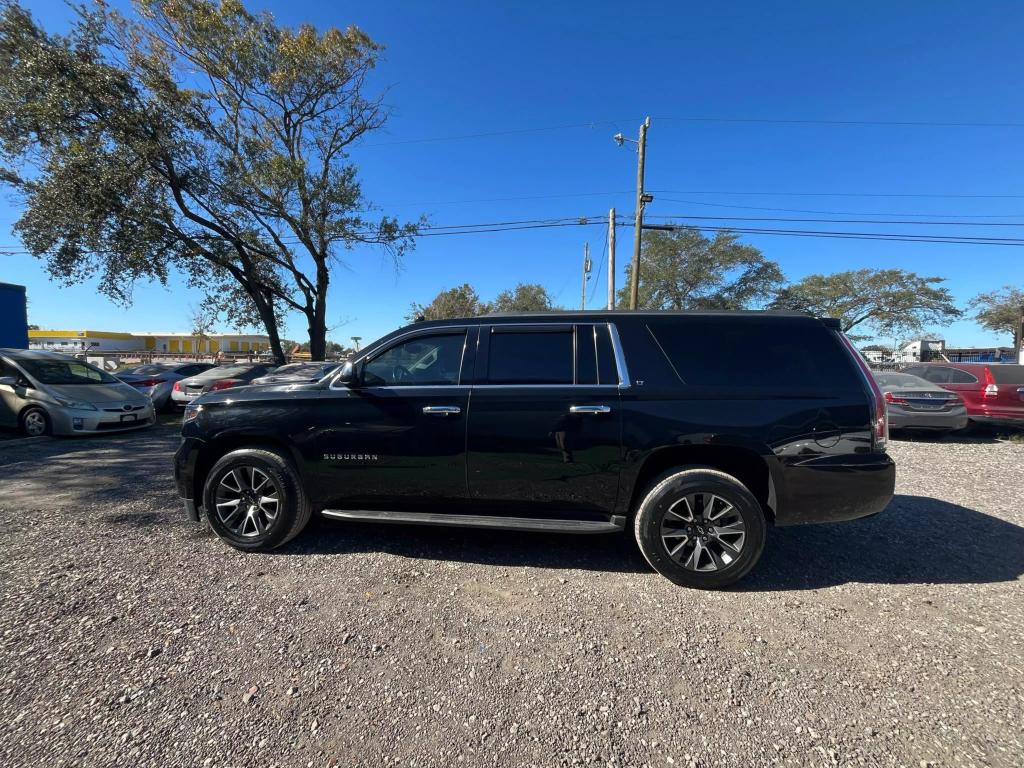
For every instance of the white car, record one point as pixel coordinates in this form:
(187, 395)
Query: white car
(49, 393)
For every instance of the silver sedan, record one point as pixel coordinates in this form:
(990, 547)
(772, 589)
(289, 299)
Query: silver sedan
(913, 403)
(50, 393)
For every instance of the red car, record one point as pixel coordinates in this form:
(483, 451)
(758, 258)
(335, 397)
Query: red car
(993, 393)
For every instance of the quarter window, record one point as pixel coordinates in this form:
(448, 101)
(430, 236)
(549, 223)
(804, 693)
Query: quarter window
(595, 360)
(956, 376)
(937, 374)
(530, 357)
(422, 361)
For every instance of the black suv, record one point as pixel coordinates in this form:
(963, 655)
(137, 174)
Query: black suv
(695, 431)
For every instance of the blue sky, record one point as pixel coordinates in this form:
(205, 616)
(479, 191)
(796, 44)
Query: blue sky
(454, 69)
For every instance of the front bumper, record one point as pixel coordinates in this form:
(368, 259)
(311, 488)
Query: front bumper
(68, 421)
(185, 461)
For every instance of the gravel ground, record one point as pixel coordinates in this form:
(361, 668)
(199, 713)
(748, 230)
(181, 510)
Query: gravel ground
(130, 637)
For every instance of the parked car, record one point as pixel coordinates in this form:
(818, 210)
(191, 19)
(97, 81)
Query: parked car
(156, 380)
(297, 372)
(914, 404)
(993, 393)
(49, 393)
(213, 379)
(595, 422)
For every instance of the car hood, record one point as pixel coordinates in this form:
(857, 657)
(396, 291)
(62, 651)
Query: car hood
(284, 378)
(250, 393)
(96, 393)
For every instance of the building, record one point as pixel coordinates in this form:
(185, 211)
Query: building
(72, 342)
(189, 344)
(13, 316)
(152, 342)
(920, 351)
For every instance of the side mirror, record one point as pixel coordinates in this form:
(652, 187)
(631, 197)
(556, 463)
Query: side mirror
(9, 381)
(347, 376)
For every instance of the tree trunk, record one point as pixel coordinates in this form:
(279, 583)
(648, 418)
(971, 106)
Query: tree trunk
(317, 315)
(317, 331)
(266, 311)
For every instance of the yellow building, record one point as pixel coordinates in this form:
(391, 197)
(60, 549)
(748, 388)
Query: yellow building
(171, 343)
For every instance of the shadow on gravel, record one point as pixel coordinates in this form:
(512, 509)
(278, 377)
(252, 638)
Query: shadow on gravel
(613, 553)
(917, 540)
(974, 437)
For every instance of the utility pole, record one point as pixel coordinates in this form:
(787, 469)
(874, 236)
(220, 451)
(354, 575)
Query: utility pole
(641, 200)
(586, 275)
(611, 259)
(1020, 337)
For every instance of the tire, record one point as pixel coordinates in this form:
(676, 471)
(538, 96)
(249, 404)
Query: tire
(245, 474)
(34, 422)
(673, 535)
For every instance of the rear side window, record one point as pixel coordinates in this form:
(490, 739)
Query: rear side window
(530, 357)
(761, 353)
(1008, 374)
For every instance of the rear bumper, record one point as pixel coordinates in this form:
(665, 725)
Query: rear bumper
(836, 488)
(1003, 421)
(949, 420)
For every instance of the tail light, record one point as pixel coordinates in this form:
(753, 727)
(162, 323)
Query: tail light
(879, 418)
(177, 386)
(991, 388)
(148, 382)
(891, 398)
(223, 384)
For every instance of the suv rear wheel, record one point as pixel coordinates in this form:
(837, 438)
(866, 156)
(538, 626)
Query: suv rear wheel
(700, 528)
(254, 500)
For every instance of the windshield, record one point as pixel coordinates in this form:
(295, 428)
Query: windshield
(146, 370)
(65, 372)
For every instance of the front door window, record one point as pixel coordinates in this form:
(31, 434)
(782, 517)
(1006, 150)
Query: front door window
(434, 360)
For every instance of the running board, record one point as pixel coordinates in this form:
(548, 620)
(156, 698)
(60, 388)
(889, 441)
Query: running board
(615, 523)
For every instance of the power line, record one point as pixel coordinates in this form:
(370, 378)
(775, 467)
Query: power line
(844, 213)
(872, 123)
(491, 134)
(836, 194)
(703, 119)
(509, 199)
(844, 221)
(887, 236)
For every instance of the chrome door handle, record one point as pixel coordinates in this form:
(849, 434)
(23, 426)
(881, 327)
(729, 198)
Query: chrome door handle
(590, 409)
(442, 410)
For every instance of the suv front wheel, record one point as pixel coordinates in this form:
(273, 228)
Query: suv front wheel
(254, 500)
(700, 528)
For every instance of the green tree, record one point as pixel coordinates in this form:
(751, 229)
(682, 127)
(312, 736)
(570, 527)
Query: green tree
(193, 131)
(525, 297)
(683, 269)
(449, 304)
(889, 302)
(999, 311)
